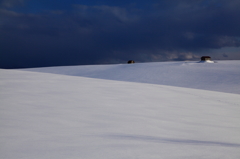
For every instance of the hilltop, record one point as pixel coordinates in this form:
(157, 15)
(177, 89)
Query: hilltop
(223, 76)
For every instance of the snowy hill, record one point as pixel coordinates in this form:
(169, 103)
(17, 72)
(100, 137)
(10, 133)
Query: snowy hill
(223, 76)
(45, 115)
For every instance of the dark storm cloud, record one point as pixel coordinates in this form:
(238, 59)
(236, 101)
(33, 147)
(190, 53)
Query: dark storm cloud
(104, 33)
(10, 3)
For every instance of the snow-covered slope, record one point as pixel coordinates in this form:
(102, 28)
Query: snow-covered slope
(50, 116)
(223, 76)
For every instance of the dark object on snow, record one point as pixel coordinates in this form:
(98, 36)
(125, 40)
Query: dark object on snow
(205, 58)
(131, 61)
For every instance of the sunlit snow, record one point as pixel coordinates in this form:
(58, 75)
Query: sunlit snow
(223, 76)
(57, 116)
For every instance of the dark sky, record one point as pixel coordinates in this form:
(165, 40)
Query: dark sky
(38, 33)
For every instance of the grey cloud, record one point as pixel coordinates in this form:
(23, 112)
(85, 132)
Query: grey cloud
(224, 55)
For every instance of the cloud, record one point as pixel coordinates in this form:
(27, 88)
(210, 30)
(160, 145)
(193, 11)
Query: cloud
(224, 55)
(10, 3)
(164, 30)
(117, 12)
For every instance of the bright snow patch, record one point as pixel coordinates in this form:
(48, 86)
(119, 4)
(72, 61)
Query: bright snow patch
(223, 76)
(57, 117)
(207, 61)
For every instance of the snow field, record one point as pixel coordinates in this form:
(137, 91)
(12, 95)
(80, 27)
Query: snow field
(57, 116)
(223, 76)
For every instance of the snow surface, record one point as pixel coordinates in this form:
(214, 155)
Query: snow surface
(223, 76)
(54, 116)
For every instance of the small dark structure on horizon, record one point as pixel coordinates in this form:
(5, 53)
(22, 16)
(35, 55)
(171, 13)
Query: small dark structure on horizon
(205, 58)
(131, 61)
